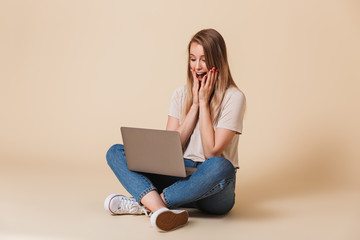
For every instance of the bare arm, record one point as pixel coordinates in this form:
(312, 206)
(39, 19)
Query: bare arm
(187, 126)
(213, 142)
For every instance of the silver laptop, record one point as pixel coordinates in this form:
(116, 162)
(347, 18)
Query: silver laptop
(154, 151)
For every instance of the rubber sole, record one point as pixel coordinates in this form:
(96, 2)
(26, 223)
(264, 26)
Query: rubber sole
(169, 220)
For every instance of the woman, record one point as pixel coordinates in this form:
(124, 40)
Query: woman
(208, 114)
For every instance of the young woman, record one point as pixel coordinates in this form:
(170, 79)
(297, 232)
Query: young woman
(208, 114)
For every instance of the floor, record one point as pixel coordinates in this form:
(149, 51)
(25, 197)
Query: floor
(59, 202)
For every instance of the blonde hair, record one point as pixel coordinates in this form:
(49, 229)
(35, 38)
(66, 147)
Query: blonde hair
(215, 56)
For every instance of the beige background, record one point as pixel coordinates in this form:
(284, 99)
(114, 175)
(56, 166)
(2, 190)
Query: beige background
(73, 72)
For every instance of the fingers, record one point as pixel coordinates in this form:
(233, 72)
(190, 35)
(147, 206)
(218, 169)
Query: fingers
(204, 80)
(195, 80)
(210, 81)
(193, 74)
(207, 84)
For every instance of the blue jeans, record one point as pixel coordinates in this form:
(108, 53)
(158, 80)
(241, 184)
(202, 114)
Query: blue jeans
(211, 188)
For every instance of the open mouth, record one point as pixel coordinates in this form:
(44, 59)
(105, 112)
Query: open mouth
(200, 76)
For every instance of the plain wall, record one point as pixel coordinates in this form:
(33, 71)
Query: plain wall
(73, 72)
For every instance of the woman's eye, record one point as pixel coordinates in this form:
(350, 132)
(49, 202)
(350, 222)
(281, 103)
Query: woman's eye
(193, 60)
(203, 60)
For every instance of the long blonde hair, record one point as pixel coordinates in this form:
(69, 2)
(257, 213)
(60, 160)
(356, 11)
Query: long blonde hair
(215, 56)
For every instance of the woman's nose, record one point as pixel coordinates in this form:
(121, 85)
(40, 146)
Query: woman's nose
(198, 66)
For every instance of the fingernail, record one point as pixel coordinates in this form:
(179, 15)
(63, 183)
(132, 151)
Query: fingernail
(217, 70)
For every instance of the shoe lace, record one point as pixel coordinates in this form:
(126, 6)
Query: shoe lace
(132, 207)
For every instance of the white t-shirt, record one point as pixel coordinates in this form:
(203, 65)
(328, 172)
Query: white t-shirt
(231, 117)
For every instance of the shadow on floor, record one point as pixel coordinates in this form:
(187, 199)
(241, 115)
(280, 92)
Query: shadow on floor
(309, 170)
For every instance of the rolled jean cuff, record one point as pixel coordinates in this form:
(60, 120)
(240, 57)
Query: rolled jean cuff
(166, 200)
(147, 190)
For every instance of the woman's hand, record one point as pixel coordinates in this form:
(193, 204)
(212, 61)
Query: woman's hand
(195, 89)
(207, 86)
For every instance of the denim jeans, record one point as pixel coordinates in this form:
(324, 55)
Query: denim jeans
(211, 188)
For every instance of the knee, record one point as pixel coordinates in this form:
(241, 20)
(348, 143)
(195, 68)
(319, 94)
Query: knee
(114, 153)
(220, 162)
(220, 166)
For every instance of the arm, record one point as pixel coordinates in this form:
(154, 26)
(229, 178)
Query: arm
(213, 142)
(187, 126)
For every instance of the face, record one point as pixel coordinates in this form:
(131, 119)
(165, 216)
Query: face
(197, 60)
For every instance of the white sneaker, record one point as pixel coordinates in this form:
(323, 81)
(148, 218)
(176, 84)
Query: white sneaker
(119, 204)
(165, 219)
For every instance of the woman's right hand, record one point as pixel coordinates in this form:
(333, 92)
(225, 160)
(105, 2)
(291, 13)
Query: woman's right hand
(195, 89)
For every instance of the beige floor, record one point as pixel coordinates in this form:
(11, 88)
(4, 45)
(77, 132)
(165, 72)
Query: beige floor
(67, 203)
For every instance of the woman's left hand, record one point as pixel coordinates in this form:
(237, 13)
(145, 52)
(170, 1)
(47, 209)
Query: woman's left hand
(207, 86)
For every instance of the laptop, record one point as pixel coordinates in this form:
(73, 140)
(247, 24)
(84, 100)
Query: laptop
(154, 151)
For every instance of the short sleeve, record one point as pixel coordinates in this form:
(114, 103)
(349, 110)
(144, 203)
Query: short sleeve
(176, 103)
(232, 111)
